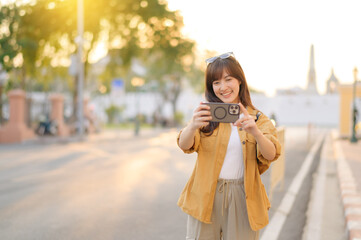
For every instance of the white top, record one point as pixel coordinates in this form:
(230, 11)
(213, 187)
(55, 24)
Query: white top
(233, 162)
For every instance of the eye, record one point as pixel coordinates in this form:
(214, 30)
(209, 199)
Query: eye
(228, 79)
(215, 82)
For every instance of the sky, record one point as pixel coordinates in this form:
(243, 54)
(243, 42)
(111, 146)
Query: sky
(272, 39)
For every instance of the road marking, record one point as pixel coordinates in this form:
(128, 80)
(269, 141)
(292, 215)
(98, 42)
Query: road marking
(274, 227)
(313, 229)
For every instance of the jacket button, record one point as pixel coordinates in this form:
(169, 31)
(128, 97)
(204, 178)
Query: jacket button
(244, 142)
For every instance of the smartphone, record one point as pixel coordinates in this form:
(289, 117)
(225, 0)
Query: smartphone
(224, 112)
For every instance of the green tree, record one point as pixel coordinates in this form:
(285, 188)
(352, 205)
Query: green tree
(9, 26)
(142, 29)
(9, 23)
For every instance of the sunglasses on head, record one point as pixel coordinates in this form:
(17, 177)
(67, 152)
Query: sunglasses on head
(222, 56)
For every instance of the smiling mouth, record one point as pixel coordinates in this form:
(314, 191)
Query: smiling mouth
(226, 94)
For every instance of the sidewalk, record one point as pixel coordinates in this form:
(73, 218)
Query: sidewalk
(349, 173)
(334, 210)
(103, 135)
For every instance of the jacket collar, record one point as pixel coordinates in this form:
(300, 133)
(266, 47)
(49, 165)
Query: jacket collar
(252, 111)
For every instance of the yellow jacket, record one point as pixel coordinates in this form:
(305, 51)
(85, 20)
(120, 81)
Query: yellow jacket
(198, 194)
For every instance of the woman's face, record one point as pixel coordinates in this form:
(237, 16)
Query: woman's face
(227, 88)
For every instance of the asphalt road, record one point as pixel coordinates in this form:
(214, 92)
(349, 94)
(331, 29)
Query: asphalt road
(113, 186)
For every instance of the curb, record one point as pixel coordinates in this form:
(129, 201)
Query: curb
(313, 226)
(275, 225)
(351, 198)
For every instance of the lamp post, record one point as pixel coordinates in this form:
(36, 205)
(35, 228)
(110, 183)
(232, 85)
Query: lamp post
(354, 110)
(137, 82)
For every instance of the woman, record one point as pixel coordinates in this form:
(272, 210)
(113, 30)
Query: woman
(225, 197)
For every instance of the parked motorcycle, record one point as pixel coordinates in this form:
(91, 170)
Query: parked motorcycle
(46, 126)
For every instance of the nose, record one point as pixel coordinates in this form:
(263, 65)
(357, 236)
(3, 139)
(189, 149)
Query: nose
(222, 86)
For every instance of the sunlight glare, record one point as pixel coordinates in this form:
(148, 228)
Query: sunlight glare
(272, 39)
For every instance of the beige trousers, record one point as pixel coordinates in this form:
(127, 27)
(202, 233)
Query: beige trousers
(229, 216)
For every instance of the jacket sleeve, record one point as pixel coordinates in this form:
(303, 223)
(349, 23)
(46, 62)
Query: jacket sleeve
(270, 132)
(195, 147)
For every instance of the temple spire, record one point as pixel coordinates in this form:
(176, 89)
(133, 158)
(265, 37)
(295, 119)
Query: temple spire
(311, 81)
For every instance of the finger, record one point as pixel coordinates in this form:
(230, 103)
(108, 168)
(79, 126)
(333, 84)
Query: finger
(203, 107)
(243, 109)
(250, 125)
(205, 124)
(238, 123)
(248, 118)
(205, 119)
(244, 120)
(203, 113)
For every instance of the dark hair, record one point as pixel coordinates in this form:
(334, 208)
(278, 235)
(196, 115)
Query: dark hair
(214, 72)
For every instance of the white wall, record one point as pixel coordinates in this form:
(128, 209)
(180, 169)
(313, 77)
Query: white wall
(301, 109)
(289, 109)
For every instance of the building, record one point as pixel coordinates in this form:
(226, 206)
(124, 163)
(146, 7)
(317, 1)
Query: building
(332, 84)
(311, 81)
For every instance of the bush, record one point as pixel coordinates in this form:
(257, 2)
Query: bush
(113, 113)
(178, 118)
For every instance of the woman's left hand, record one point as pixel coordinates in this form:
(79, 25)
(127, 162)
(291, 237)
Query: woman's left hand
(247, 122)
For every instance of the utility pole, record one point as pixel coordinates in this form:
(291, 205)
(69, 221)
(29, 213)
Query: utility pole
(80, 66)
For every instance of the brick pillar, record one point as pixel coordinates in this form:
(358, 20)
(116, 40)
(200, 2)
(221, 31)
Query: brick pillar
(57, 114)
(15, 130)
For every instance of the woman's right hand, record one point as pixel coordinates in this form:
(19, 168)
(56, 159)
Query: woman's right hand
(201, 116)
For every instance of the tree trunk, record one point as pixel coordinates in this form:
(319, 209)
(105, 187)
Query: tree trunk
(75, 100)
(176, 92)
(74, 116)
(174, 106)
(23, 78)
(29, 104)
